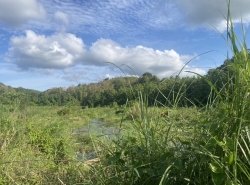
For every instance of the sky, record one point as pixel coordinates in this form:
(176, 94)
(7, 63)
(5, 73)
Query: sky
(62, 43)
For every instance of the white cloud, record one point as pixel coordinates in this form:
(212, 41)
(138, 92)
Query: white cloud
(214, 12)
(39, 51)
(61, 17)
(140, 59)
(106, 18)
(62, 51)
(16, 13)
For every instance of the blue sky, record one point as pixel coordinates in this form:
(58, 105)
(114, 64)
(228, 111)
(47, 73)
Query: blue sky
(60, 43)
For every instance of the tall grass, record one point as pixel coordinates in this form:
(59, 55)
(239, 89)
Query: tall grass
(228, 135)
(163, 151)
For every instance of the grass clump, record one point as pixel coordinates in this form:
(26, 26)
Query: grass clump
(211, 147)
(227, 136)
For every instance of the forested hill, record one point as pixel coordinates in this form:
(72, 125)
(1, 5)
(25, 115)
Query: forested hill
(116, 91)
(4, 88)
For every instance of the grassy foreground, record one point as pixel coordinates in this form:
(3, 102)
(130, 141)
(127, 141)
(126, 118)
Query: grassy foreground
(39, 145)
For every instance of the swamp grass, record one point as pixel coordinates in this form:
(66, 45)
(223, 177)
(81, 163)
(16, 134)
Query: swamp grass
(38, 147)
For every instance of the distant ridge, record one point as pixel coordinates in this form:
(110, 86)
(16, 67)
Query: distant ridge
(5, 88)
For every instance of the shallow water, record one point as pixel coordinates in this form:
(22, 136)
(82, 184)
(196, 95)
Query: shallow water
(96, 128)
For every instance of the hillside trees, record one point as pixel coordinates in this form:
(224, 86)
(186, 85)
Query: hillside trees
(119, 91)
(173, 91)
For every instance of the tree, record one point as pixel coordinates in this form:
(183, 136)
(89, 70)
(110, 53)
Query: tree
(148, 77)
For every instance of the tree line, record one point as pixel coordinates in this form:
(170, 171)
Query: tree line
(172, 91)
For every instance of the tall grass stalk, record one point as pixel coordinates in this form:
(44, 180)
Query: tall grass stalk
(238, 103)
(233, 104)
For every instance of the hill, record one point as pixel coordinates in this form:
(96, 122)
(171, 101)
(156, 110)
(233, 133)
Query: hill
(173, 91)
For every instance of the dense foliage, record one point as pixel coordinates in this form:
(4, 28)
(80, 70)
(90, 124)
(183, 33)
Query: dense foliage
(190, 90)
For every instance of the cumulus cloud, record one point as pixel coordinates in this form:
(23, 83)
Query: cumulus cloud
(16, 13)
(200, 12)
(141, 59)
(38, 51)
(62, 51)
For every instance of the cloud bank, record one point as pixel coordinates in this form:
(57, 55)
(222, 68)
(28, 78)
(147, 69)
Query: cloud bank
(65, 50)
(130, 17)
